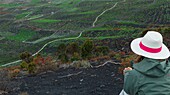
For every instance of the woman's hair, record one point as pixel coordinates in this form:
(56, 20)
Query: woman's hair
(138, 58)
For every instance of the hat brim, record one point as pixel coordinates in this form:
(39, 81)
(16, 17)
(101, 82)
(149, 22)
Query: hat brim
(163, 54)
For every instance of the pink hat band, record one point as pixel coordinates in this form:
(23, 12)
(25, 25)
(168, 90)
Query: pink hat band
(148, 49)
(150, 46)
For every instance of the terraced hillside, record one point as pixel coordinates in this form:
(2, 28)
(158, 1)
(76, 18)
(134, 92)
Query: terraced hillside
(41, 25)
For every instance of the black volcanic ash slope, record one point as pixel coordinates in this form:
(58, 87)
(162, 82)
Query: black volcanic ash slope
(104, 80)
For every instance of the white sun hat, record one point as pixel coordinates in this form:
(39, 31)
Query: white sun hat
(150, 46)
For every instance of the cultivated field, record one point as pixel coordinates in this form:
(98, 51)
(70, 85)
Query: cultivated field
(40, 26)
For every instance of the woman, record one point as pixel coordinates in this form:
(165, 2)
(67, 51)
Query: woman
(150, 76)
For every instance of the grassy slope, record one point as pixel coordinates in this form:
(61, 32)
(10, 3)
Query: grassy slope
(22, 35)
(141, 11)
(126, 18)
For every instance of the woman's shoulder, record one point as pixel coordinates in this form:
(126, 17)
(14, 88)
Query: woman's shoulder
(133, 73)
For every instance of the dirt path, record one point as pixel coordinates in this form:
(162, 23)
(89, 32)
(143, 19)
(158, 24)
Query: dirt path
(14, 62)
(105, 12)
(72, 38)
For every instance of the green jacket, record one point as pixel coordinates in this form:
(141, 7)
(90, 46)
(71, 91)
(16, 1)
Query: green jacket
(149, 77)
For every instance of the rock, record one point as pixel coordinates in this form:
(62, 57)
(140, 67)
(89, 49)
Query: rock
(81, 80)
(3, 92)
(64, 66)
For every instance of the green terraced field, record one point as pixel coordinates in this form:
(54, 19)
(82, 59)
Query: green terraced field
(22, 35)
(46, 21)
(36, 20)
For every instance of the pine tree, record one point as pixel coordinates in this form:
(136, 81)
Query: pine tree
(87, 48)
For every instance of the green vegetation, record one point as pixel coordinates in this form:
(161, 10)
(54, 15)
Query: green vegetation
(87, 12)
(38, 19)
(102, 50)
(101, 28)
(75, 51)
(87, 49)
(34, 17)
(128, 23)
(22, 35)
(46, 21)
(144, 12)
(11, 5)
(35, 64)
(68, 5)
(73, 48)
(20, 16)
(35, 1)
(72, 10)
(27, 62)
(6, 34)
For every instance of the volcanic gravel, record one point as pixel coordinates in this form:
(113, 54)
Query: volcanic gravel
(104, 80)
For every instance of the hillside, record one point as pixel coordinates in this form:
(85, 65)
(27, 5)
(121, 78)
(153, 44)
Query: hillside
(41, 25)
(104, 80)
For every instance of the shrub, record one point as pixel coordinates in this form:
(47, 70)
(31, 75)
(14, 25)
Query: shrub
(117, 56)
(31, 68)
(46, 67)
(61, 49)
(72, 48)
(87, 48)
(75, 57)
(101, 50)
(63, 58)
(25, 56)
(24, 65)
(81, 64)
(126, 62)
(14, 73)
(112, 53)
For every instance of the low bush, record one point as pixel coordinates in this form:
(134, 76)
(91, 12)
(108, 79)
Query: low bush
(52, 66)
(38, 64)
(126, 62)
(75, 57)
(14, 73)
(81, 64)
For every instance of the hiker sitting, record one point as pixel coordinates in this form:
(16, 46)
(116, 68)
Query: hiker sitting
(151, 74)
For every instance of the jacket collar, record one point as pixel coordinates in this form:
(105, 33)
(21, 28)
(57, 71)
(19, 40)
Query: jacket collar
(152, 67)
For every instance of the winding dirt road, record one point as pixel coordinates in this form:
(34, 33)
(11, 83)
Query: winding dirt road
(105, 12)
(72, 38)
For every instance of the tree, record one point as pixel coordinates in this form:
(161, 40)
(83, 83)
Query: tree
(26, 56)
(61, 49)
(73, 48)
(63, 57)
(102, 50)
(75, 57)
(87, 48)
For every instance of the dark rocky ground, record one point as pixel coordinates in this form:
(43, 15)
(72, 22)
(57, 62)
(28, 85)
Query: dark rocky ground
(104, 80)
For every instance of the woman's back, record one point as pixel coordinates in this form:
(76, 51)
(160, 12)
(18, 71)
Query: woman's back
(149, 77)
